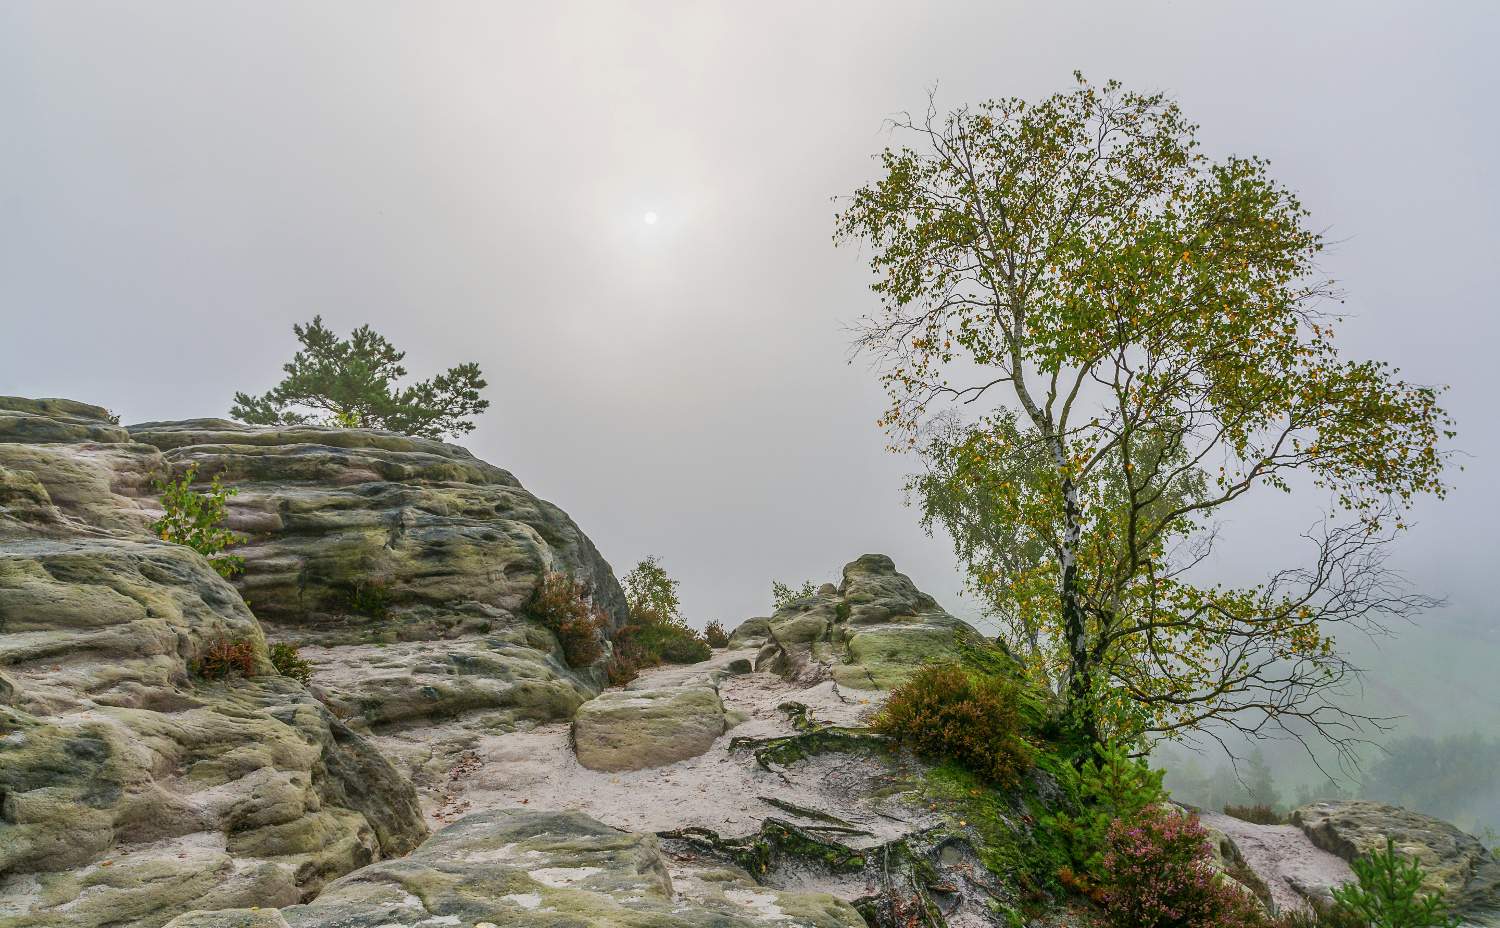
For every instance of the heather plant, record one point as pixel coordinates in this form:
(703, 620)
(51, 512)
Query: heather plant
(1157, 875)
(715, 635)
(289, 663)
(222, 657)
(972, 718)
(1386, 895)
(560, 604)
(1110, 788)
(192, 518)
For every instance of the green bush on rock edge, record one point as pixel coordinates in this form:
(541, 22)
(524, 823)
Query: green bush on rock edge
(1110, 789)
(715, 634)
(191, 518)
(289, 663)
(945, 710)
(657, 632)
(1386, 895)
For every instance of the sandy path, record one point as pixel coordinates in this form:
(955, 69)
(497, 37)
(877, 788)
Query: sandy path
(1284, 858)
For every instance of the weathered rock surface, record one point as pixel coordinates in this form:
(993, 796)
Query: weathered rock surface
(518, 868)
(1456, 863)
(131, 790)
(657, 720)
(511, 673)
(869, 633)
(330, 512)
(1290, 867)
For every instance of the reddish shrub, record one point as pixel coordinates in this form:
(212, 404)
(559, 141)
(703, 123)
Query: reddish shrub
(221, 657)
(631, 655)
(561, 606)
(715, 635)
(975, 719)
(1157, 875)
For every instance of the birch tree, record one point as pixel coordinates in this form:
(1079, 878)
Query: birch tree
(1098, 338)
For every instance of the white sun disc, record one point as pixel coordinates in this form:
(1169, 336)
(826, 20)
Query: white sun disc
(650, 219)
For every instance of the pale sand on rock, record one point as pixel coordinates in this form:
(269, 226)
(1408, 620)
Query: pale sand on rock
(462, 767)
(1280, 855)
(466, 769)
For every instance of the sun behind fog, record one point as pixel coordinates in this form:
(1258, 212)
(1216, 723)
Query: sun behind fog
(650, 219)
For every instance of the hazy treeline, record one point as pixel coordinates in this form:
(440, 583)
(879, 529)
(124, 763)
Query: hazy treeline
(1456, 778)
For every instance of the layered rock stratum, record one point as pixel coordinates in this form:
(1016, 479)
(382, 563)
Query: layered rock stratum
(130, 790)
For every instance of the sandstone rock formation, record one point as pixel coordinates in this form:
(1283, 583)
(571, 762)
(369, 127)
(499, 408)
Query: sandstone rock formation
(360, 536)
(132, 790)
(869, 633)
(330, 512)
(658, 719)
(1291, 869)
(1456, 863)
(134, 793)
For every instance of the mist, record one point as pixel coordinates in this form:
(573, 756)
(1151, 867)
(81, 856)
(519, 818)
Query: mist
(181, 183)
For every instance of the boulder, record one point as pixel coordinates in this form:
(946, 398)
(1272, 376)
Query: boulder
(751, 633)
(870, 633)
(131, 789)
(56, 420)
(1456, 863)
(667, 717)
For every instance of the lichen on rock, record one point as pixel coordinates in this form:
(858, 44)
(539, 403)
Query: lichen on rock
(1454, 862)
(871, 632)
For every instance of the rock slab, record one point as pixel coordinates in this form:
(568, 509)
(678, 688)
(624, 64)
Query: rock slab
(518, 868)
(1456, 863)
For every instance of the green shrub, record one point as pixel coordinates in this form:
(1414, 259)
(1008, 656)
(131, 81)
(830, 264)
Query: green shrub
(648, 587)
(947, 711)
(192, 519)
(783, 594)
(288, 663)
(1110, 789)
(630, 655)
(1258, 814)
(222, 657)
(715, 635)
(372, 598)
(560, 604)
(685, 649)
(657, 631)
(1386, 895)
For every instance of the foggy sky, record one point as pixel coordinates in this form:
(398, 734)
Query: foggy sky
(181, 182)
